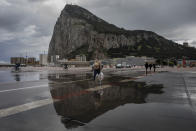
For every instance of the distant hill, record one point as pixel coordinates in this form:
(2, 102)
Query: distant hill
(78, 31)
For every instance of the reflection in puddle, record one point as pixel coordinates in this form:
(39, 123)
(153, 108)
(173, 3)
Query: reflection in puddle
(77, 105)
(65, 77)
(17, 77)
(24, 76)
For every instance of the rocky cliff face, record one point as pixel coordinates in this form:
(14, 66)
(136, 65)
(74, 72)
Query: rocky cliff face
(77, 31)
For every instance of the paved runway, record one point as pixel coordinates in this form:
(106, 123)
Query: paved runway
(39, 101)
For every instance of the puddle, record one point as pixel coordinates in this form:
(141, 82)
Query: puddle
(8, 76)
(77, 106)
(68, 77)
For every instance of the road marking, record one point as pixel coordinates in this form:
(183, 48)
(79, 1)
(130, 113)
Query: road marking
(31, 87)
(24, 88)
(25, 107)
(188, 92)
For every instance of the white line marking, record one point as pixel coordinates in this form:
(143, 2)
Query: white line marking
(25, 107)
(24, 88)
(187, 92)
(31, 87)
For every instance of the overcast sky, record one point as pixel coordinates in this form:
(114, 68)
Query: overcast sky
(26, 26)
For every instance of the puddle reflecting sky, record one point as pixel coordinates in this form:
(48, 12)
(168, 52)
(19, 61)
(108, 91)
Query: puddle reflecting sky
(77, 106)
(8, 76)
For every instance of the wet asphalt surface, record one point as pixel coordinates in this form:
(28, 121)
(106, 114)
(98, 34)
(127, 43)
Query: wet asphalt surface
(123, 101)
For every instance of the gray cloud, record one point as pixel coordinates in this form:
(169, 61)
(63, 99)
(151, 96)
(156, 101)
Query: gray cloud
(193, 43)
(27, 25)
(37, 0)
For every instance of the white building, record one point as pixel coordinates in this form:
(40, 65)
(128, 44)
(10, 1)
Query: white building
(80, 58)
(43, 59)
(54, 59)
(132, 60)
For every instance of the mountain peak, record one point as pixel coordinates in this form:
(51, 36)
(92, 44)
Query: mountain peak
(76, 11)
(74, 8)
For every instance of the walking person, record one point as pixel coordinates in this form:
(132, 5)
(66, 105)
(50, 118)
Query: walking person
(17, 66)
(65, 66)
(154, 66)
(146, 66)
(150, 66)
(96, 68)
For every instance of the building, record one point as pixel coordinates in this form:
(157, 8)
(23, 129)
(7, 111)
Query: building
(148, 59)
(80, 58)
(54, 59)
(186, 44)
(133, 61)
(31, 61)
(184, 63)
(75, 63)
(21, 60)
(83, 58)
(43, 59)
(77, 58)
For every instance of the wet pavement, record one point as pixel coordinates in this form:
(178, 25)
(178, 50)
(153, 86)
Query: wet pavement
(124, 100)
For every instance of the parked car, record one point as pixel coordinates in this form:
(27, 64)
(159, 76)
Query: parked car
(119, 66)
(128, 66)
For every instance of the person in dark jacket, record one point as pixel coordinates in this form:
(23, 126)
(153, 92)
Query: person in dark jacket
(146, 66)
(17, 65)
(154, 66)
(65, 66)
(150, 66)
